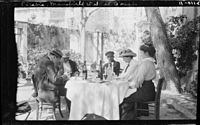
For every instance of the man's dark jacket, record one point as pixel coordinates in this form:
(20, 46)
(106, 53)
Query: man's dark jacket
(116, 67)
(73, 67)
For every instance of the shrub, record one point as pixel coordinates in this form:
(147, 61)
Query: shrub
(182, 38)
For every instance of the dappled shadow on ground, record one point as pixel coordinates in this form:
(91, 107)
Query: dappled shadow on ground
(183, 104)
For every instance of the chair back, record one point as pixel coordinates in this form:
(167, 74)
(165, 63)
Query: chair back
(157, 99)
(159, 88)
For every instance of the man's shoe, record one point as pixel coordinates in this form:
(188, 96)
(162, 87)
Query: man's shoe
(35, 94)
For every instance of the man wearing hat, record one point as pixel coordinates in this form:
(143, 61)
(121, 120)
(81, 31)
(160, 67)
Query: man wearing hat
(48, 67)
(70, 67)
(112, 63)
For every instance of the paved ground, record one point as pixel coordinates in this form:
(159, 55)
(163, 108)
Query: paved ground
(24, 92)
(173, 107)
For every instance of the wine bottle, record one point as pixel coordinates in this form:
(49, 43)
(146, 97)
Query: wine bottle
(105, 75)
(100, 70)
(84, 71)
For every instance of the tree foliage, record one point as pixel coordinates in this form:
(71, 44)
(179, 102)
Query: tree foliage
(45, 36)
(182, 37)
(42, 39)
(118, 41)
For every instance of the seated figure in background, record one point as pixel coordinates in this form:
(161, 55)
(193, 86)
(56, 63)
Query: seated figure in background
(70, 70)
(141, 87)
(111, 63)
(70, 67)
(93, 67)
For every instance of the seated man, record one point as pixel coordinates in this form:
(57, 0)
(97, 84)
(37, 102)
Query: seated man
(111, 61)
(70, 67)
(48, 72)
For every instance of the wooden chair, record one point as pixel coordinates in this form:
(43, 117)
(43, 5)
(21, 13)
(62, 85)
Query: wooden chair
(23, 107)
(50, 105)
(27, 114)
(152, 104)
(62, 93)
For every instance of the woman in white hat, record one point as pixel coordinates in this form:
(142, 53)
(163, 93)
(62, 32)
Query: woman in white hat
(127, 56)
(141, 87)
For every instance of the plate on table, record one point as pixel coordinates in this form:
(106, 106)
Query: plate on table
(104, 81)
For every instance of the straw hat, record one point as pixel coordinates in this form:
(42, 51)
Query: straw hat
(56, 52)
(127, 52)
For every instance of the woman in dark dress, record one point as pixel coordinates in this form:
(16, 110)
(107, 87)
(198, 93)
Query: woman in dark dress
(142, 80)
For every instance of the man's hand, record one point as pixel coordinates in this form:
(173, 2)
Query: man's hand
(65, 77)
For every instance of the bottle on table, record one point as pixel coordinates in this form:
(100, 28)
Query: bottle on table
(100, 70)
(84, 71)
(110, 71)
(105, 75)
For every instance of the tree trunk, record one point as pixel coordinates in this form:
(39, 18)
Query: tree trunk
(163, 50)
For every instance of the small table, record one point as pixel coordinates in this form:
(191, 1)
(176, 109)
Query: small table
(101, 98)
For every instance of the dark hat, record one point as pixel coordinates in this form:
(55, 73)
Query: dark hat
(110, 52)
(56, 53)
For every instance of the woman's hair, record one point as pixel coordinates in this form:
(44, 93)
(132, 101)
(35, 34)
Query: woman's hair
(148, 48)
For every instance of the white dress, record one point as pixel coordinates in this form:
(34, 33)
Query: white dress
(126, 76)
(144, 71)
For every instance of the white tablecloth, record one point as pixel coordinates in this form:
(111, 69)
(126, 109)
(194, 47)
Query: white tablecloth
(99, 98)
